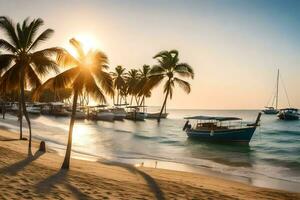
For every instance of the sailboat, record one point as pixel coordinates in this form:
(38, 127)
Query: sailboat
(270, 110)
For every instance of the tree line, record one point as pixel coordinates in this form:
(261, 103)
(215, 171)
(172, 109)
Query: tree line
(23, 67)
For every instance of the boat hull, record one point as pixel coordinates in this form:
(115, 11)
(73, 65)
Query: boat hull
(136, 116)
(156, 115)
(270, 112)
(289, 117)
(242, 135)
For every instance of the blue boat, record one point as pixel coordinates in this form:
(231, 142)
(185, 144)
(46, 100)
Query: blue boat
(220, 129)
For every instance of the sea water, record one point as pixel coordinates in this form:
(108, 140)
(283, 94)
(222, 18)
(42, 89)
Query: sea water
(272, 159)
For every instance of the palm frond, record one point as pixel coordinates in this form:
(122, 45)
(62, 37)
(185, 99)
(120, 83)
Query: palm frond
(7, 46)
(65, 59)
(105, 81)
(6, 61)
(32, 78)
(42, 37)
(78, 47)
(62, 80)
(92, 89)
(183, 84)
(7, 25)
(32, 30)
(184, 70)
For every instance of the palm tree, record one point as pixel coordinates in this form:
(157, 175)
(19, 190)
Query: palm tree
(132, 79)
(119, 81)
(144, 78)
(169, 67)
(23, 65)
(87, 74)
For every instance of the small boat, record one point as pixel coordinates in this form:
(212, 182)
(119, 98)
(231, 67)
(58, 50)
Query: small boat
(101, 113)
(135, 114)
(220, 129)
(156, 115)
(119, 113)
(56, 109)
(288, 114)
(34, 109)
(80, 114)
(270, 110)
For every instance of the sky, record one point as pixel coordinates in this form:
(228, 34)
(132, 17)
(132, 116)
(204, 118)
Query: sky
(234, 46)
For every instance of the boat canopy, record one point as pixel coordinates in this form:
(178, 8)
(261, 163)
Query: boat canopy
(213, 118)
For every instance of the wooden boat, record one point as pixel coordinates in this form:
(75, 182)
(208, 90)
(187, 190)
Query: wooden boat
(100, 112)
(270, 110)
(214, 129)
(119, 113)
(56, 109)
(34, 109)
(156, 115)
(135, 114)
(288, 114)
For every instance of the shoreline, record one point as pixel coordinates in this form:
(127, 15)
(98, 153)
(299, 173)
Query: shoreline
(138, 181)
(257, 179)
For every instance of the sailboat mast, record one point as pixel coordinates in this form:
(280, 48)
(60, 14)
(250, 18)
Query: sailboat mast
(277, 85)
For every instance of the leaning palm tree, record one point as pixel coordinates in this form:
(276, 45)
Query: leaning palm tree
(87, 74)
(168, 68)
(144, 78)
(119, 81)
(22, 65)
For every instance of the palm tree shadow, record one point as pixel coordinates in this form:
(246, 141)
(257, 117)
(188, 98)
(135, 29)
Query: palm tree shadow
(152, 184)
(61, 177)
(16, 167)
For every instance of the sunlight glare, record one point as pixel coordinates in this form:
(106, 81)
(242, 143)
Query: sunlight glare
(89, 42)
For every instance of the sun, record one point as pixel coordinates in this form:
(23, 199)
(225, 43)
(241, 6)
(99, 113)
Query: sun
(88, 41)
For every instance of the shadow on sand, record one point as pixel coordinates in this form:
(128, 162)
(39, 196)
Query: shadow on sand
(14, 168)
(152, 184)
(61, 177)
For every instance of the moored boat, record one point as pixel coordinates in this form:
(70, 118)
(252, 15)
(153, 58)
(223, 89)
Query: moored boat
(270, 111)
(220, 129)
(156, 115)
(288, 114)
(119, 113)
(135, 114)
(34, 109)
(101, 113)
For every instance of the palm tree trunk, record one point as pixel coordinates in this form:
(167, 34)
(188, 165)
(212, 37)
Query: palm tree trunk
(164, 104)
(25, 110)
(20, 117)
(66, 163)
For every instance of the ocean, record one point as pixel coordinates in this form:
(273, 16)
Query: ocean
(272, 158)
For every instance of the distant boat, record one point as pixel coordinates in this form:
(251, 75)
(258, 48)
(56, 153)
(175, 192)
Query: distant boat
(119, 113)
(101, 113)
(270, 110)
(135, 114)
(56, 109)
(288, 114)
(156, 115)
(80, 114)
(215, 129)
(34, 109)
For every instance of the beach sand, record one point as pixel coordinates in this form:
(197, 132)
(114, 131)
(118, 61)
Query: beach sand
(40, 177)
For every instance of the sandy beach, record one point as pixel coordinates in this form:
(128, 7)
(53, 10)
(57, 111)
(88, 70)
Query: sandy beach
(40, 177)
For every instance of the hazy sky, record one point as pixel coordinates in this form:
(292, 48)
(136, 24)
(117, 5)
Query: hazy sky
(234, 46)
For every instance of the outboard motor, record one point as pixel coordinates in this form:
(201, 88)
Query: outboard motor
(186, 125)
